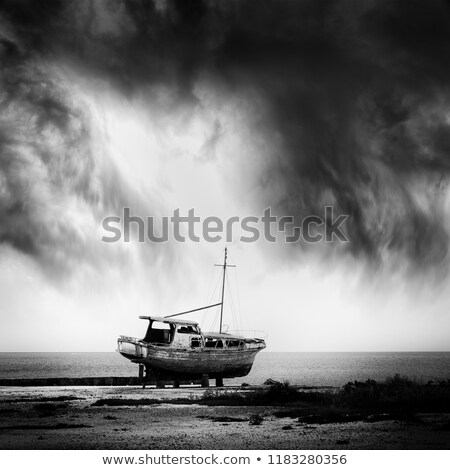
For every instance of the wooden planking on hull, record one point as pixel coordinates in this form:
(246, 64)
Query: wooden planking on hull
(189, 363)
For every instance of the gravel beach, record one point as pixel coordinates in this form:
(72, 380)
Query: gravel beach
(71, 418)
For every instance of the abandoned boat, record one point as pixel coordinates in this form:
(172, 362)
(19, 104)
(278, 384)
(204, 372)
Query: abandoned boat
(178, 349)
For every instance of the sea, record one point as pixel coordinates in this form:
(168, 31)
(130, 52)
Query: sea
(317, 369)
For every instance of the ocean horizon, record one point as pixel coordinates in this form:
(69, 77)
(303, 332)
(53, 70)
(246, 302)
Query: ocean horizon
(299, 368)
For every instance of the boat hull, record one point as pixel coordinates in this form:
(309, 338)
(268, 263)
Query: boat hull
(182, 363)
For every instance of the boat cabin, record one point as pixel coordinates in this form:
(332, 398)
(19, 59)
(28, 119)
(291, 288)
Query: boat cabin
(179, 333)
(186, 334)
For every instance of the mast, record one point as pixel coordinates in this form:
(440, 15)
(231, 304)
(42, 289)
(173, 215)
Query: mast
(223, 289)
(224, 265)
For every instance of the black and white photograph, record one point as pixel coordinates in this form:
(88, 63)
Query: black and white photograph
(225, 225)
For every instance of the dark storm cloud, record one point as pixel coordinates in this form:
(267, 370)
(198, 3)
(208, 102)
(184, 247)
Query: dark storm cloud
(51, 182)
(359, 94)
(356, 94)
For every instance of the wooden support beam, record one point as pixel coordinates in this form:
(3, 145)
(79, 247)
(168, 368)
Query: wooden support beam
(205, 380)
(160, 384)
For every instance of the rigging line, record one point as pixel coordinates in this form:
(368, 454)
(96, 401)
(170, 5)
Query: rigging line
(235, 319)
(210, 285)
(214, 321)
(232, 306)
(238, 298)
(233, 309)
(236, 314)
(207, 297)
(227, 300)
(213, 325)
(230, 297)
(211, 297)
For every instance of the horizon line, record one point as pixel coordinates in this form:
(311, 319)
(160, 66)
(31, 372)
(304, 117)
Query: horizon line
(262, 352)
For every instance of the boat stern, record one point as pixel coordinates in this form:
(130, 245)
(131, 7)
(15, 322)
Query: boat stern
(131, 348)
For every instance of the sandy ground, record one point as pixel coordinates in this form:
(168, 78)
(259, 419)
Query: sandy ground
(28, 422)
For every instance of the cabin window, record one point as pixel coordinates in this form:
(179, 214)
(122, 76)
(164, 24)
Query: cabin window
(187, 329)
(213, 343)
(159, 332)
(196, 342)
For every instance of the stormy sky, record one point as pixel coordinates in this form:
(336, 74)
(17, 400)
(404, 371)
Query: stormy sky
(229, 107)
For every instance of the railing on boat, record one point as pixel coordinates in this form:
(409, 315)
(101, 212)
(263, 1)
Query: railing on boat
(249, 334)
(130, 345)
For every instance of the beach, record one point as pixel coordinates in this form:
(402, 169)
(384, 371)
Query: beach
(155, 419)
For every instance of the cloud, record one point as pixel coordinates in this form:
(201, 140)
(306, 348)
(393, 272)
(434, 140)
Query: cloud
(54, 182)
(355, 104)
